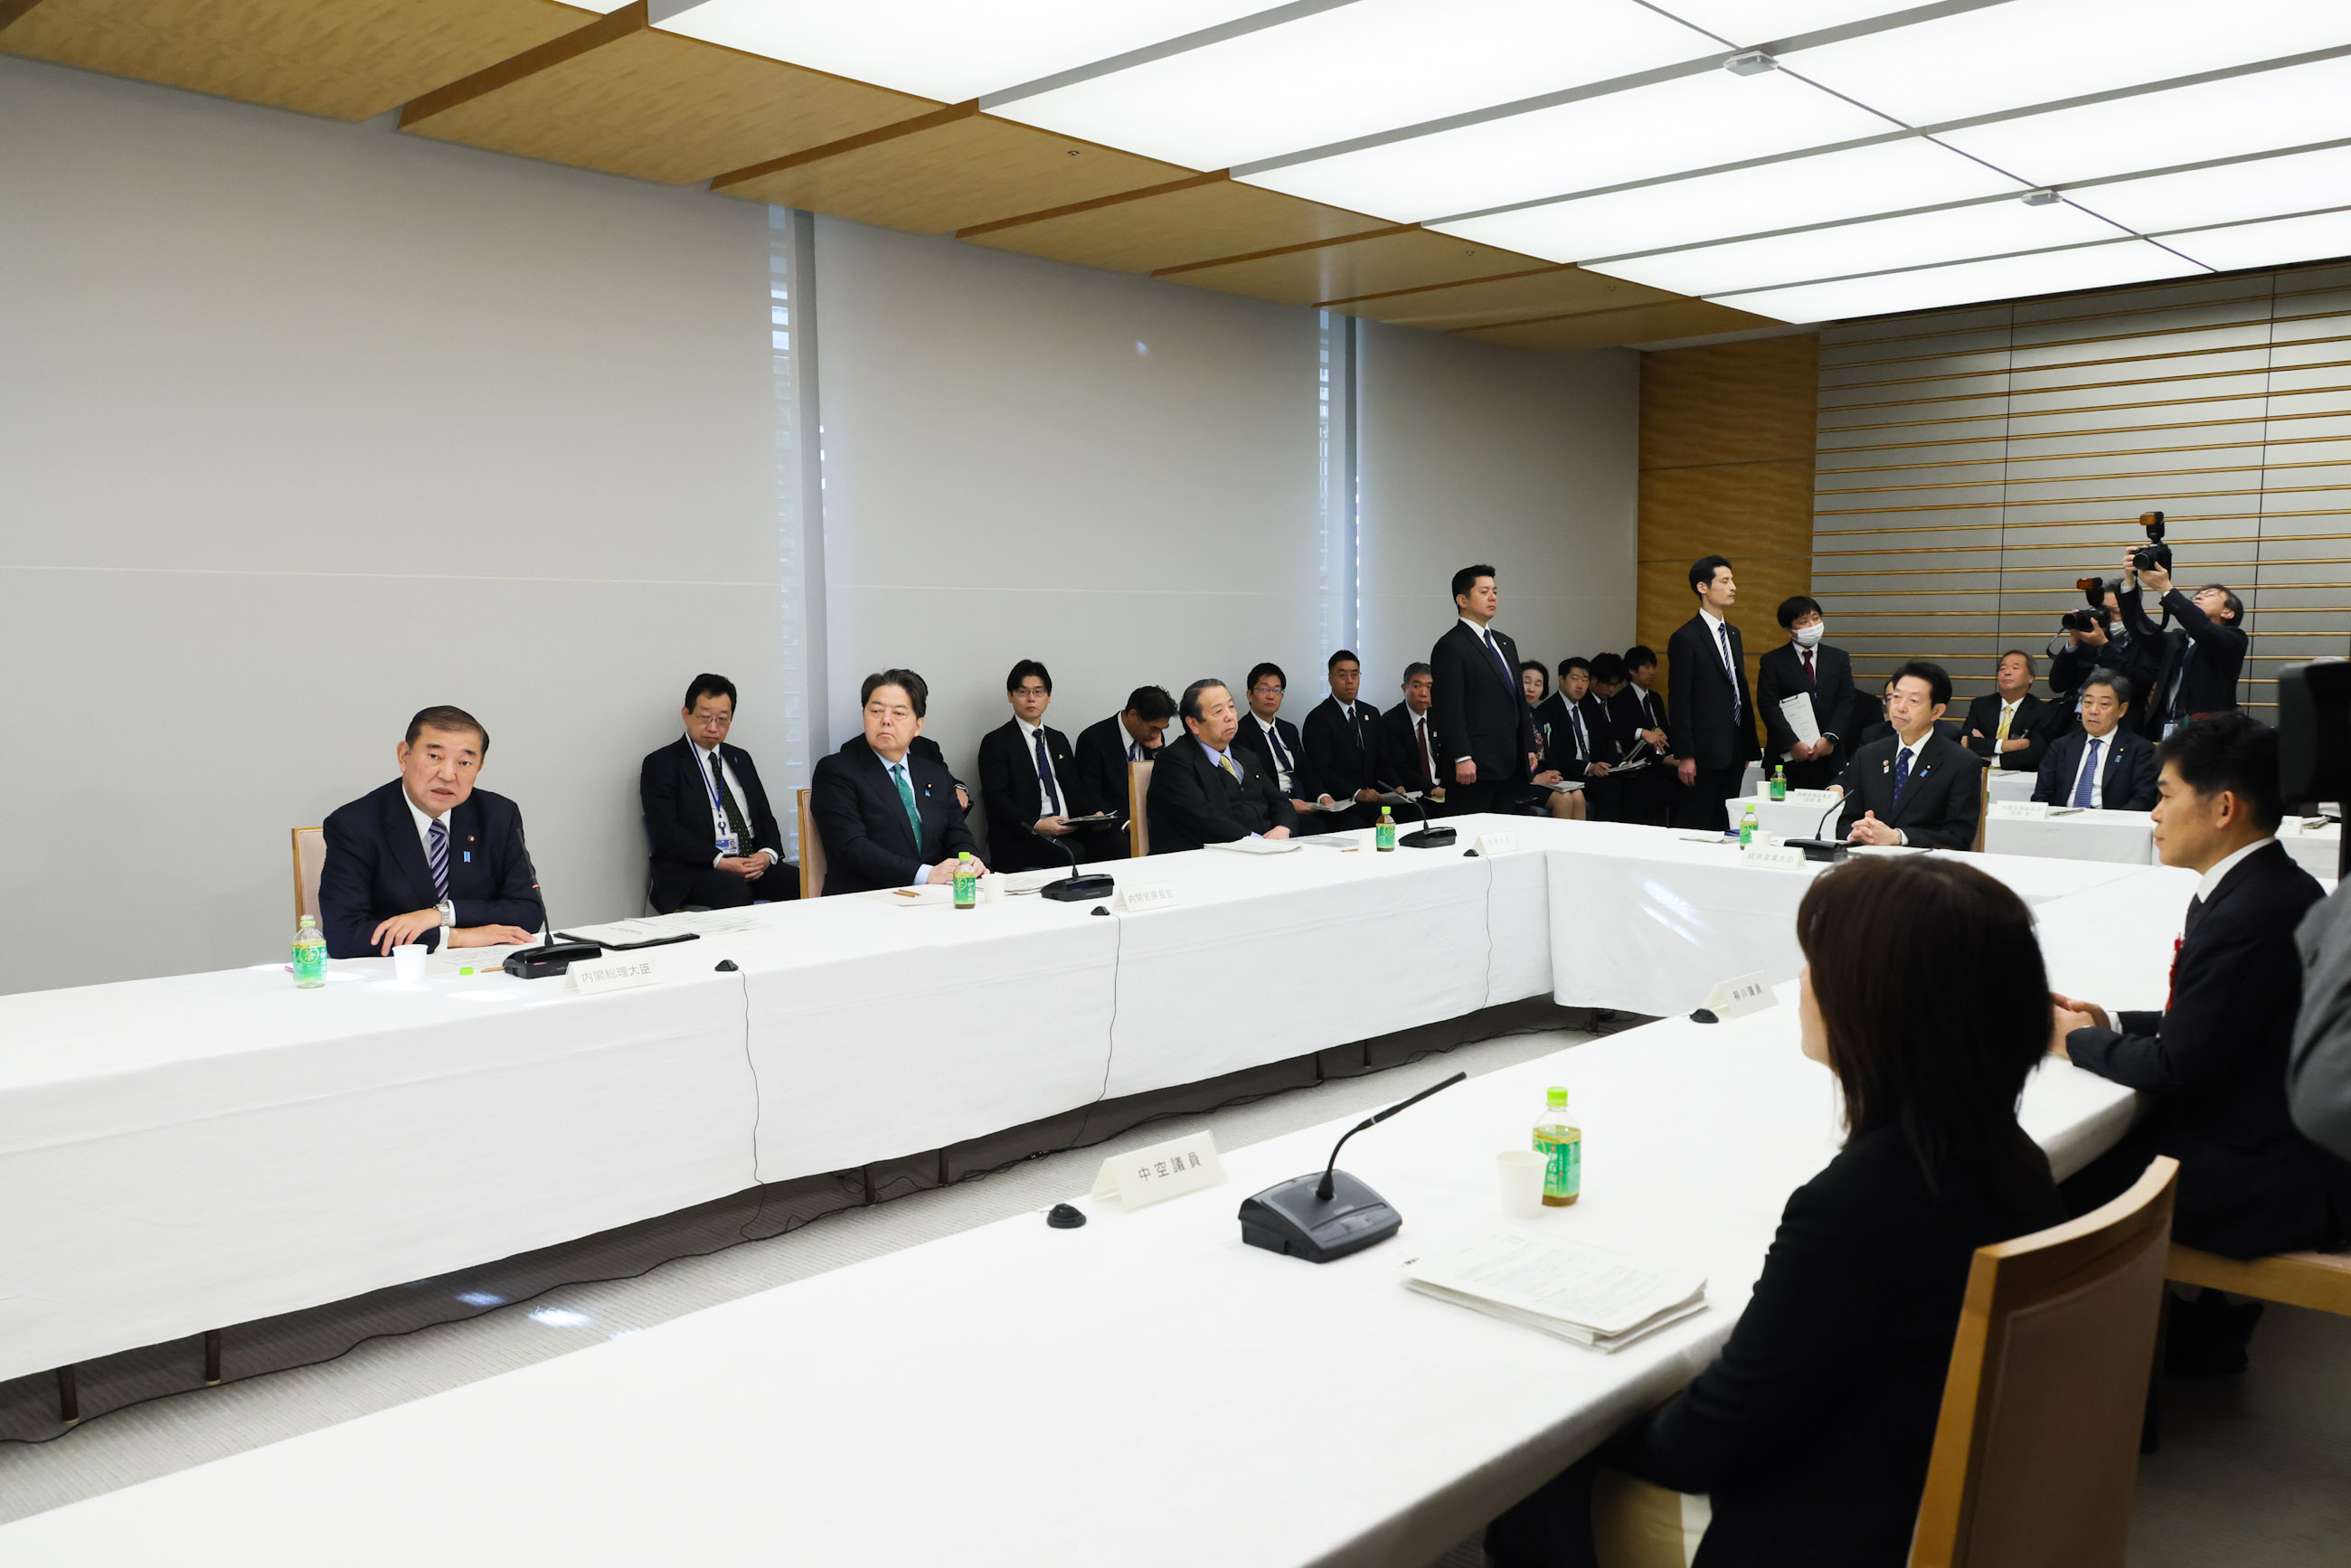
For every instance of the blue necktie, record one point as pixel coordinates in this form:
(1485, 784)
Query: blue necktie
(1510, 676)
(438, 856)
(1901, 772)
(1045, 777)
(2089, 777)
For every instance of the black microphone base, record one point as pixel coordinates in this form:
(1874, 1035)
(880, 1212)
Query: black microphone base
(1818, 849)
(547, 962)
(1426, 838)
(1075, 889)
(1289, 1219)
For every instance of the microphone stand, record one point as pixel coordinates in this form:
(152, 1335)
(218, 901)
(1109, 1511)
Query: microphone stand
(1327, 1214)
(550, 957)
(1423, 837)
(1817, 848)
(1073, 888)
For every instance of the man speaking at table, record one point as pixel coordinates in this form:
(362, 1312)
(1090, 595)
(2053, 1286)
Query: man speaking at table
(1713, 714)
(888, 816)
(1484, 726)
(1915, 787)
(428, 858)
(2104, 765)
(1203, 790)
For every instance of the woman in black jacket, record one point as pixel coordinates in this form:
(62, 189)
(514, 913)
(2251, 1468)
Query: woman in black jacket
(1812, 1430)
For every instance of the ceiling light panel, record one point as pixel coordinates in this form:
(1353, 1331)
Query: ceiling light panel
(2227, 119)
(2265, 188)
(1745, 23)
(1968, 282)
(2039, 51)
(1959, 234)
(1826, 188)
(948, 49)
(1692, 122)
(2318, 237)
(1372, 65)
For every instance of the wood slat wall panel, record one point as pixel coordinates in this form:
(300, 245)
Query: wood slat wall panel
(1728, 402)
(1970, 464)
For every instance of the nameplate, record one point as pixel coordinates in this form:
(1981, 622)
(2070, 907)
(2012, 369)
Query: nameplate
(593, 975)
(1498, 843)
(1742, 994)
(2021, 810)
(1812, 797)
(1163, 1171)
(1136, 895)
(1783, 856)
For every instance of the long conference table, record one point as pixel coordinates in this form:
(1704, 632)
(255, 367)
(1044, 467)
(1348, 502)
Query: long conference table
(185, 1154)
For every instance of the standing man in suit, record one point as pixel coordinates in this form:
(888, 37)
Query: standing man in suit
(1637, 713)
(1409, 741)
(1915, 787)
(1204, 790)
(1489, 747)
(2214, 1061)
(2104, 765)
(888, 816)
(1274, 744)
(1134, 734)
(2007, 726)
(1028, 775)
(1342, 736)
(2200, 657)
(428, 858)
(1806, 666)
(1713, 712)
(713, 839)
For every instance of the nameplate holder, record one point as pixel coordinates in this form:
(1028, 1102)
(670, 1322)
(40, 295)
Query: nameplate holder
(1810, 796)
(2021, 810)
(1145, 1176)
(1781, 856)
(1496, 843)
(1741, 993)
(1139, 895)
(611, 974)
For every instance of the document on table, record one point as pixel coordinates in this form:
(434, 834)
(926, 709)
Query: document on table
(1589, 1295)
(1253, 845)
(701, 921)
(1798, 710)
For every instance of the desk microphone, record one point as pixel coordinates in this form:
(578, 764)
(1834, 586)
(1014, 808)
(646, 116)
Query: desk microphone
(551, 958)
(1423, 837)
(1073, 888)
(1319, 1218)
(1817, 848)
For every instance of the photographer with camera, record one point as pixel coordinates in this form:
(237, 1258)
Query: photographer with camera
(2094, 639)
(2202, 653)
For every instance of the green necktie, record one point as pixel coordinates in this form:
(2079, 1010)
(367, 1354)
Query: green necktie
(907, 798)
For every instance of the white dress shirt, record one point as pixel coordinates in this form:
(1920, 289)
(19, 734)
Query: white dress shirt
(1028, 734)
(2219, 873)
(1910, 772)
(735, 785)
(424, 821)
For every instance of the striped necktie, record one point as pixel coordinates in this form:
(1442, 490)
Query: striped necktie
(437, 855)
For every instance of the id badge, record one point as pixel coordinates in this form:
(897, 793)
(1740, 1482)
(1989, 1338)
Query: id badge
(724, 834)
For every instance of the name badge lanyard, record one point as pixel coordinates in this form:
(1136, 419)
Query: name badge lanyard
(727, 842)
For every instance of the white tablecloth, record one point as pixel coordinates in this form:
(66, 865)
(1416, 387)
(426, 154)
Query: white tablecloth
(2126, 838)
(1145, 1391)
(2008, 784)
(2319, 852)
(1787, 819)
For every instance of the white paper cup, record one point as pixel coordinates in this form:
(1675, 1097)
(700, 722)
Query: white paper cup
(408, 963)
(1521, 1172)
(991, 888)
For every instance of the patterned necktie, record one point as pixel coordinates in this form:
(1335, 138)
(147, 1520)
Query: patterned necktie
(1812, 677)
(1901, 772)
(734, 823)
(437, 855)
(2005, 710)
(1509, 678)
(1045, 777)
(1428, 767)
(1280, 752)
(2089, 779)
(907, 798)
(1226, 762)
(1583, 745)
(1730, 673)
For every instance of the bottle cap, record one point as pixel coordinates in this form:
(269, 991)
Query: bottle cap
(1557, 1097)
(306, 920)
(962, 855)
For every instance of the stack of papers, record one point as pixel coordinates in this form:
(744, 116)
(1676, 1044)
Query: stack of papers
(1256, 846)
(1597, 1298)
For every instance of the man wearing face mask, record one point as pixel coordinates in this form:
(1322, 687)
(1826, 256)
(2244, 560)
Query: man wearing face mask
(1809, 667)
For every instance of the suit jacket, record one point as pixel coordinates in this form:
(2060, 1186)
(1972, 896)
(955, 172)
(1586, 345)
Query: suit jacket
(1194, 802)
(1837, 705)
(1099, 780)
(2134, 658)
(2215, 1062)
(1940, 803)
(2036, 721)
(2219, 657)
(1479, 711)
(1251, 739)
(2126, 774)
(1400, 754)
(1008, 783)
(1700, 697)
(1811, 1429)
(1341, 758)
(375, 869)
(672, 791)
(1557, 732)
(861, 820)
(1631, 711)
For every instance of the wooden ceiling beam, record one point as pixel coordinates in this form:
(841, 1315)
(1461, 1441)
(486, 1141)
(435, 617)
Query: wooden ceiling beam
(604, 29)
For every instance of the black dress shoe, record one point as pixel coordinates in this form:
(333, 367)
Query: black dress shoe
(2208, 1336)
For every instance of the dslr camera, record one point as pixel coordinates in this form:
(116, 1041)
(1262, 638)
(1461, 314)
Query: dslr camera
(2155, 553)
(2094, 589)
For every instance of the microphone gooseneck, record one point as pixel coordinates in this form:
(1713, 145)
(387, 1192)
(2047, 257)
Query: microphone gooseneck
(1322, 1188)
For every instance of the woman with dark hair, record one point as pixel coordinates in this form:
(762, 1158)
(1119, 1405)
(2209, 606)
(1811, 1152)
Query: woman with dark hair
(1812, 1429)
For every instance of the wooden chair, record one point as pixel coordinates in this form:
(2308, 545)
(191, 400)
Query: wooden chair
(1983, 807)
(309, 858)
(2036, 1452)
(2319, 1280)
(1138, 823)
(812, 852)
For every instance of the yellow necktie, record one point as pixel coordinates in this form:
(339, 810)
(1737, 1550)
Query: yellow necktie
(2004, 712)
(1226, 762)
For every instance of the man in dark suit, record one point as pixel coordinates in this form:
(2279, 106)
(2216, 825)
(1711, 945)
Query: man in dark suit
(2202, 654)
(1028, 776)
(1713, 712)
(2007, 726)
(1489, 748)
(428, 858)
(1342, 736)
(888, 816)
(1805, 666)
(1915, 786)
(1638, 713)
(2105, 764)
(715, 841)
(1577, 747)
(1134, 734)
(2214, 1061)
(1409, 746)
(1204, 791)
(925, 746)
(1273, 743)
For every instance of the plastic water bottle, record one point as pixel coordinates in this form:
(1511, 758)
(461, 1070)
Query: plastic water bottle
(967, 882)
(1561, 1144)
(1779, 782)
(309, 954)
(1747, 825)
(1383, 832)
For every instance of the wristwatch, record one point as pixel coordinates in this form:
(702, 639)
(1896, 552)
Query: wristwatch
(448, 914)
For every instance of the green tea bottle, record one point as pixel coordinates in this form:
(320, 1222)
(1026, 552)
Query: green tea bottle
(1383, 832)
(967, 882)
(1561, 1144)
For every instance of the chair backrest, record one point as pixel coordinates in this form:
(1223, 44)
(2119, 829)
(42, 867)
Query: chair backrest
(1138, 794)
(1983, 806)
(309, 858)
(812, 852)
(2036, 1451)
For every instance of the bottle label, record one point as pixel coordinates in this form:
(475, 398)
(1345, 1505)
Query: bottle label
(1564, 1165)
(1745, 832)
(1383, 836)
(310, 960)
(967, 888)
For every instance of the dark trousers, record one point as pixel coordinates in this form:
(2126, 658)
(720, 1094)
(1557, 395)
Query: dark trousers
(1645, 796)
(1486, 795)
(1552, 1528)
(1817, 774)
(716, 889)
(1699, 804)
